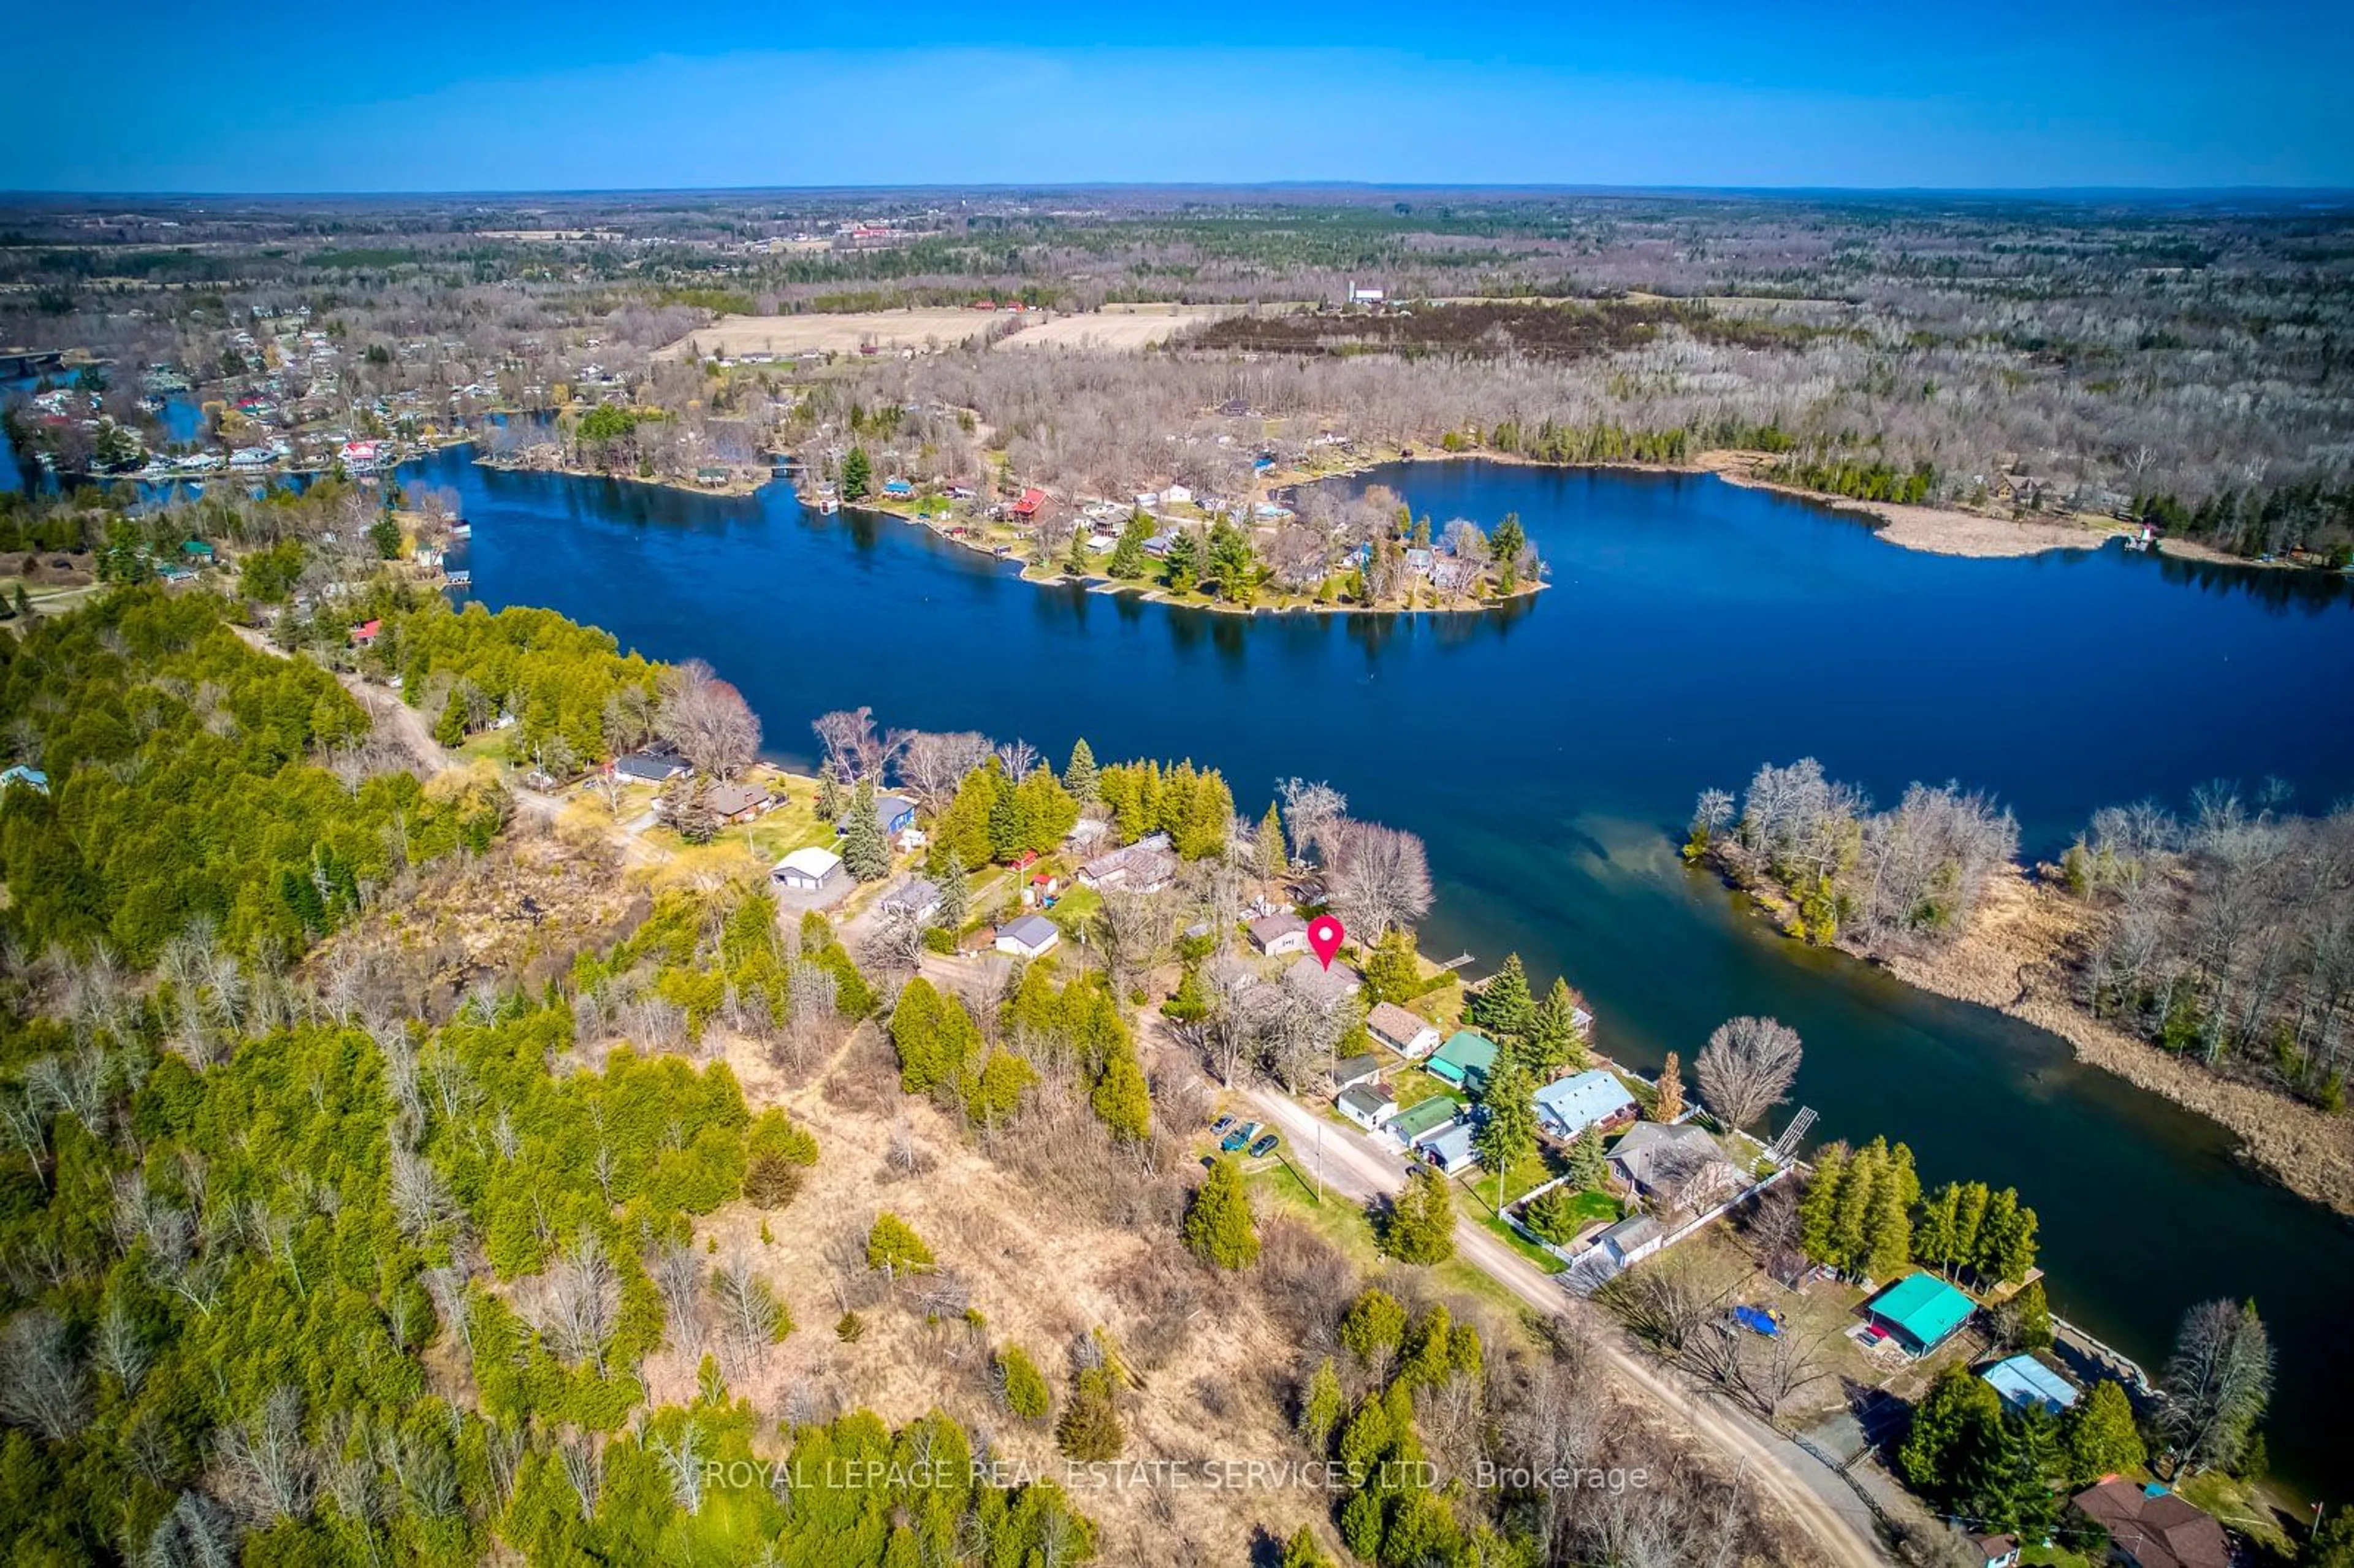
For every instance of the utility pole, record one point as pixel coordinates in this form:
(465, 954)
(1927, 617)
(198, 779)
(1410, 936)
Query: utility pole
(1320, 1162)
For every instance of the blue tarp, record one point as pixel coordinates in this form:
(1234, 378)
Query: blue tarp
(1757, 1320)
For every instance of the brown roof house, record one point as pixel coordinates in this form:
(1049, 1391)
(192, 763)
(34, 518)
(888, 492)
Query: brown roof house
(2149, 1527)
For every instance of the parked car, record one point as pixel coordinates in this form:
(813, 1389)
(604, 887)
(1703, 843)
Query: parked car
(1239, 1137)
(1264, 1147)
(1220, 1127)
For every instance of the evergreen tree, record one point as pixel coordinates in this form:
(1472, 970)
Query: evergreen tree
(1219, 1228)
(2100, 1437)
(1301, 1551)
(1819, 1205)
(831, 802)
(1588, 1169)
(893, 1248)
(2027, 1316)
(1888, 1221)
(1957, 1438)
(1320, 1407)
(915, 1035)
(864, 852)
(1504, 1006)
(956, 891)
(1091, 1430)
(1128, 560)
(2014, 1494)
(1508, 1120)
(1121, 1096)
(1373, 1328)
(1081, 776)
(857, 475)
(1392, 971)
(1933, 1234)
(1272, 861)
(1182, 566)
(1668, 1098)
(1554, 1045)
(1009, 830)
(1048, 810)
(1421, 1228)
(1022, 1385)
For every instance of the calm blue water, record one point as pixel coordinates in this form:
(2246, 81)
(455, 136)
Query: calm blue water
(1549, 754)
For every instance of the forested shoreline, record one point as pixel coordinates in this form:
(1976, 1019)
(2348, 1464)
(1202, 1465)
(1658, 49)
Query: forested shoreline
(2221, 938)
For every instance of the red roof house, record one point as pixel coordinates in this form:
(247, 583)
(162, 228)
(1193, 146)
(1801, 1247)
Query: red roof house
(1032, 500)
(364, 634)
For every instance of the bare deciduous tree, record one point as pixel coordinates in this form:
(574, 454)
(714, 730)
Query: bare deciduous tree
(42, 1388)
(708, 721)
(1746, 1068)
(1379, 878)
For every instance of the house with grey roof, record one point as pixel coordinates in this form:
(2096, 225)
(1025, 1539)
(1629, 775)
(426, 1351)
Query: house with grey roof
(1409, 1034)
(917, 897)
(1370, 1106)
(1328, 989)
(1031, 936)
(1681, 1163)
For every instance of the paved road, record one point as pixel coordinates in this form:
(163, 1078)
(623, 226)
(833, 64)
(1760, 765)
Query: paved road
(1360, 1167)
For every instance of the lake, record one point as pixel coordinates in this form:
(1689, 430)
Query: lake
(1549, 754)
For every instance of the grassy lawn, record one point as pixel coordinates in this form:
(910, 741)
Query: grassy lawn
(1412, 1085)
(1538, 1166)
(1278, 1190)
(2239, 1506)
(2055, 1557)
(1589, 1206)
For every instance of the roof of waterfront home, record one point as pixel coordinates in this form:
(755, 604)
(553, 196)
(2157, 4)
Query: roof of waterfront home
(1424, 1115)
(1923, 1308)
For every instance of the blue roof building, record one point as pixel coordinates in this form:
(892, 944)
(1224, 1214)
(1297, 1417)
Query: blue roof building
(1567, 1107)
(2025, 1383)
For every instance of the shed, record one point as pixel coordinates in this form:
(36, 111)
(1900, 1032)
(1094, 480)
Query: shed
(1631, 1240)
(1465, 1060)
(1567, 1107)
(1033, 935)
(808, 870)
(1921, 1312)
(2026, 1384)
(1350, 1071)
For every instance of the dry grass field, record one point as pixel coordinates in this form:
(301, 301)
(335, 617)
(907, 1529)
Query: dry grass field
(932, 328)
(1113, 327)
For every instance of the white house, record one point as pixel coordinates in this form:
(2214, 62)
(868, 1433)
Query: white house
(919, 897)
(1370, 1106)
(1280, 936)
(808, 870)
(1031, 936)
(1176, 495)
(1406, 1033)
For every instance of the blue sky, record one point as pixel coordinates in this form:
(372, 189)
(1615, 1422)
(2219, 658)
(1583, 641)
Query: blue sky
(592, 95)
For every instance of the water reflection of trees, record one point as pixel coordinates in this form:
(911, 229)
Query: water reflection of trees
(2277, 588)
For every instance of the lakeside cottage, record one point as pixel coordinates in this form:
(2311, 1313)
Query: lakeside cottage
(1147, 865)
(1032, 936)
(1465, 1060)
(2150, 1527)
(1422, 1118)
(1328, 989)
(915, 897)
(2026, 1384)
(896, 814)
(733, 803)
(1409, 1034)
(1682, 1164)
(1452, 1148)
(1567, 1107)
(808, 870)
(1370, 1106)
(32, 778)
(1278, 935)
(650, 766)
(1920, 1312)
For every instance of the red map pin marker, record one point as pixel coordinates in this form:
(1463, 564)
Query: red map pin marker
(1324, 937)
